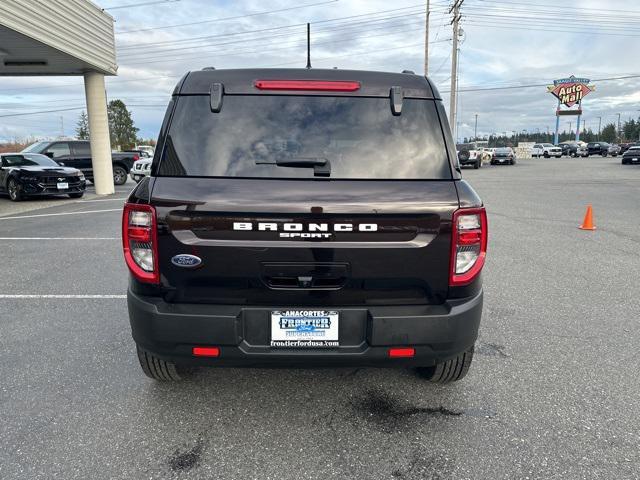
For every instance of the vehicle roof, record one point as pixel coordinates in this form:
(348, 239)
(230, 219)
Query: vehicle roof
(241, 82)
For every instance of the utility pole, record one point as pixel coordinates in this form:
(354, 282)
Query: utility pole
(61, 126)
(475, 129)
(618, 125)
(454, 65)
(599, 127)
(426, 41)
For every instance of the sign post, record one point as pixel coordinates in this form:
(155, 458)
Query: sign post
(569, 92)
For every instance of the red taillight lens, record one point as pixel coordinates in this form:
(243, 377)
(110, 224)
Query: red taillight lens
(309, 85)
(140, 242)
(206, 351)
(468, 245)
(136, 157)
(402, 352)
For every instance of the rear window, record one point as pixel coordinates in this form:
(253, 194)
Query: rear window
(358, 137)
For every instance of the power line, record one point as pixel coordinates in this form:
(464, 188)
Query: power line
(214, 20)
(143, 4)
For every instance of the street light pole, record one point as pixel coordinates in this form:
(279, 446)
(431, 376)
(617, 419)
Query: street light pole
(618, 124)
(599, 127)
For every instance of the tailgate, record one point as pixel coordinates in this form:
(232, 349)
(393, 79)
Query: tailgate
(304, 242)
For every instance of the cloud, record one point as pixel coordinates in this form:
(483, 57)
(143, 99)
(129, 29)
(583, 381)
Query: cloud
(494, 52)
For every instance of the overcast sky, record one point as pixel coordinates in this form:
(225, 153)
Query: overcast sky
(505, 43)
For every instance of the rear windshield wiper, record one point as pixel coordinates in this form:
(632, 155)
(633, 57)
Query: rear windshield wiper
(321, 166)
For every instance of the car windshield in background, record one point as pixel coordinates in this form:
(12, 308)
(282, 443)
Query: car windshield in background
(503, 150)
(29, 160)
(34, 147)
(275, 136)
(466, 146)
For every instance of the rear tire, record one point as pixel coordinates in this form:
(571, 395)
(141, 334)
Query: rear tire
(449, 371)
(158, 369)
(545, 155)
(476, 165)
(119, 175)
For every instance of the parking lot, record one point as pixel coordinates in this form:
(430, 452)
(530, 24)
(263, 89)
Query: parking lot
(552, 393)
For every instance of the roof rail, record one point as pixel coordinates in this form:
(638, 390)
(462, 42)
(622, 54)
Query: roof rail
(206, 69)
(409, 71)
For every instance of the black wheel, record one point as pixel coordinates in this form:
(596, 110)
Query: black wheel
(512, 162)
(493, 163)
(545, 155)
(157, 369)
(15, 194)
(449, 371)
(476, 165)
(603, 154)
(76, 195)
(624, 162)
(119, 175)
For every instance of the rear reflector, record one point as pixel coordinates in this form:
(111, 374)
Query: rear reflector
(309, 85)
(206, 351)
(403, 352)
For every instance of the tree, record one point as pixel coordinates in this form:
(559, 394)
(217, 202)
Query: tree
(609, 133)
(121, 128)
(82, 127)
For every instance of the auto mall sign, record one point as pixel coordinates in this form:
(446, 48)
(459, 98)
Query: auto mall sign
(570, 91)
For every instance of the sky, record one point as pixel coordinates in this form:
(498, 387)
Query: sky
(509, 43)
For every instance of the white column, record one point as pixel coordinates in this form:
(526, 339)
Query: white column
(99, 132)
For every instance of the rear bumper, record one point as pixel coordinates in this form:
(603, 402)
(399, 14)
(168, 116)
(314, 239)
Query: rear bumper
(437, 332)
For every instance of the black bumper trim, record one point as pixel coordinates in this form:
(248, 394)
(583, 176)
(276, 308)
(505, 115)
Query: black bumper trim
(437, 332)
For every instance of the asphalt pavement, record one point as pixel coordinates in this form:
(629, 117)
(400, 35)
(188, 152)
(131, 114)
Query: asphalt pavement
(553, 392)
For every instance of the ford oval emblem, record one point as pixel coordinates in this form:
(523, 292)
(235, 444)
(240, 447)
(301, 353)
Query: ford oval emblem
(186, 261)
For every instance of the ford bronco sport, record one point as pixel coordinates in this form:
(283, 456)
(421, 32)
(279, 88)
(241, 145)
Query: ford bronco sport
(305, 217)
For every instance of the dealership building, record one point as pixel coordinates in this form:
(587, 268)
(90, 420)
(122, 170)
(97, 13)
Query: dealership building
(73, 37)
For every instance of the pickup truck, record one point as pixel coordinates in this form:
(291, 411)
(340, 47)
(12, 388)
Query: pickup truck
(77, 154)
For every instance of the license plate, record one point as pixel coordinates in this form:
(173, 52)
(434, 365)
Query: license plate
(304, 328)
(635, 159)
(63, 185)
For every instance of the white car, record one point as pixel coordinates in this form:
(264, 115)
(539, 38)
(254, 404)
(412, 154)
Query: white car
(146, 148)
(141, 168)
(546, 150)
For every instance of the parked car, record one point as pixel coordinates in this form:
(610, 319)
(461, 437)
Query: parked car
(486, 154)
(503, 155)
(77, 154)
(267, 239)
(626, 146)
(598, 148)
(613, 150)
(581, 151)
(25, 175)
(632, 155)
(141, 153)
(546, 150)
(469, 154)
(141, 168)
(567, 148)
(146, 148)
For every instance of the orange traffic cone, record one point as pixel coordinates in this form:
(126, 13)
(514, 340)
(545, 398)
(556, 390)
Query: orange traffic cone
(587, 223)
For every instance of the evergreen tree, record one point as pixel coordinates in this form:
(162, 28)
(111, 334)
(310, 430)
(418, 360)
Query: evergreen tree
(609, 133)
(82, 127)
(121, 128)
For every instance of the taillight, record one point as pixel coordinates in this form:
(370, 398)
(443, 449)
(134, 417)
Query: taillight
(140, 242)
(136, 157)
(468, 245)
(310, 85)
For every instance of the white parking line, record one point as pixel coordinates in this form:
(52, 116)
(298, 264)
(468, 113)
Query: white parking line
(59, 238)
(79, 297)
(120, 199)
(58, 214)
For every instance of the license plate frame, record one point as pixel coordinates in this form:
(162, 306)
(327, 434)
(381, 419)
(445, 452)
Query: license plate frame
(304, 328)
